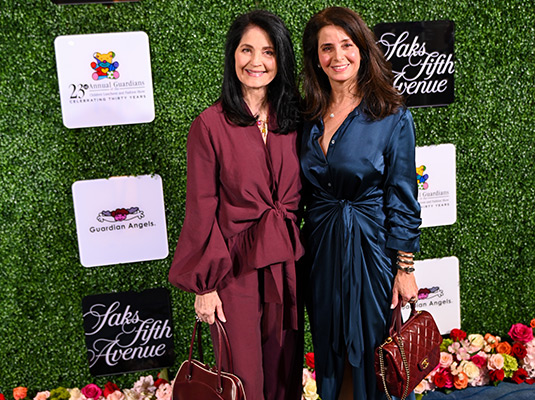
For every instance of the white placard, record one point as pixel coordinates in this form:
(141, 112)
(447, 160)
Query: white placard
(437, 191)
(438, 283)
(120, 220)
(104, 79)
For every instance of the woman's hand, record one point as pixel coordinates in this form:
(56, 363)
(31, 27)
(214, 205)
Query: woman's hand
(207, 306)
(404, 287)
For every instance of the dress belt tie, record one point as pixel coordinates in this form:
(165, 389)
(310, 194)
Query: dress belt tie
(280, 244)
(348, 275)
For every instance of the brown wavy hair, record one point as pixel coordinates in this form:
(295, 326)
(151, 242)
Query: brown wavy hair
(374, 79)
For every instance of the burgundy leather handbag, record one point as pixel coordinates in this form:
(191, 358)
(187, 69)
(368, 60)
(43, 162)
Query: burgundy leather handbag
(409, 354)
(196, 380)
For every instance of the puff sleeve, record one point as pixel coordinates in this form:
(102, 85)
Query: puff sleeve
(401, 191)
(201, 258)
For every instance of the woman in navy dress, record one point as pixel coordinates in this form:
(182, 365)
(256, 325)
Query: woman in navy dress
(362, 214)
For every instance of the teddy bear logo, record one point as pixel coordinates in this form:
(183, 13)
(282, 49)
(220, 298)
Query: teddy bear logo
(104, 66)
(421, 178)
(120, 214)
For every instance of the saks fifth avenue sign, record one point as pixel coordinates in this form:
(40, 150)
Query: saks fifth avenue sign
(128, 331)
(421, 54)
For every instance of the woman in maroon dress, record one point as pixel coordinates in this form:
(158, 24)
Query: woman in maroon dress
(239, 242)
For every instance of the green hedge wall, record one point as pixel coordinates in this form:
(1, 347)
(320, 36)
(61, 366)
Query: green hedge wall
(42, 282)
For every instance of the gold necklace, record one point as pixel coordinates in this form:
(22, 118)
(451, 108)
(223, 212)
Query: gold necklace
(263, 127)
(331, 115)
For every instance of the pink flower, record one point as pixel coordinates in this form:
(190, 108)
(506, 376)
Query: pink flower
(495, 362)
(449, 379)
(117, 395)
(521, 333)
(422, 387)
(306, 376)
(91, 391)
(445, 359)
(145, 384)
(42, 395)
(478, 360)
(164, 392)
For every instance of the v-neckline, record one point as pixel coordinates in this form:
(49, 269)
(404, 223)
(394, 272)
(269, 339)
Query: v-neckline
(353, 112)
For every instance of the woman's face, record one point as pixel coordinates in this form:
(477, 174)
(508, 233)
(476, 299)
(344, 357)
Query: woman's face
(256, 62)
(338, 56)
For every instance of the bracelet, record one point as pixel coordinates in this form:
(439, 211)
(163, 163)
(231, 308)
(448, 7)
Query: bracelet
(405, 261)
(408, 270)
(407, 255)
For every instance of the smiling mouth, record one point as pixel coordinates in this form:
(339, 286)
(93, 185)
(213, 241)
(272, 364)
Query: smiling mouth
(340, 68)
(255, 73)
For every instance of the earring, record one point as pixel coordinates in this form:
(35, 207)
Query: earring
(319, 66)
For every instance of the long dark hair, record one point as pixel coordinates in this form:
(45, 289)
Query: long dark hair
(374, 78)
(282, 93)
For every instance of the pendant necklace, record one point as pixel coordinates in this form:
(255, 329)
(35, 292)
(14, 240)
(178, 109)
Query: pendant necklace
(331, 115)
(263, 127)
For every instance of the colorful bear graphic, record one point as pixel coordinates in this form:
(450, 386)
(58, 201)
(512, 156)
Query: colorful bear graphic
(104, 67)
(421, 178)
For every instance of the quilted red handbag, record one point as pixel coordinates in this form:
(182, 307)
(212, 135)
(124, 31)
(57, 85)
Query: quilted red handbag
(409, 354)
(196, 380)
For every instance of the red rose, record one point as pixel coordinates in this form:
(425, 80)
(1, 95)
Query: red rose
(2, 397)
(496, 375)
(159, 382)
(309, 359)
(521, 333)
(519, 375)
(110, 388)
(457, 335)
(519, 350)
(439, 379)
(530, 381)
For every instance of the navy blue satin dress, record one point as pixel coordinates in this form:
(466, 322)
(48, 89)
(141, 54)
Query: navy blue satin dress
(360, 208)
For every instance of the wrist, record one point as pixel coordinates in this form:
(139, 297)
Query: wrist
(405, 262)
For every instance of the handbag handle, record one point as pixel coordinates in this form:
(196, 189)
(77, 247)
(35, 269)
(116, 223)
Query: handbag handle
(396, 324)
(395, 335)
(221, 336)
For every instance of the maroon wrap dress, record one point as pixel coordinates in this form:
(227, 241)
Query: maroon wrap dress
(240, 237)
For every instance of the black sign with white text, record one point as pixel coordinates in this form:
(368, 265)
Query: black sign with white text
(128, 331)
(421, 54)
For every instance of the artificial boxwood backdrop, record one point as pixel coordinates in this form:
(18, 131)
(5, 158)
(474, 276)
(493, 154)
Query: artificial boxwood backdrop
(42, 282)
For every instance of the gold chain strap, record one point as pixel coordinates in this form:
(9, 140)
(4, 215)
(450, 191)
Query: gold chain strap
(382, 364)
(405, 364)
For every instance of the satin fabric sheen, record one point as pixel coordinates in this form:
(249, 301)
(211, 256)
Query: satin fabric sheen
(361, 207)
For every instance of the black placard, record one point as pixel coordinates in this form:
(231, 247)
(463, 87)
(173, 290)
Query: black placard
(422, 60)
(128, 331)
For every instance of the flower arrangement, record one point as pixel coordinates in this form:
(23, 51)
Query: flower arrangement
(145, 388)
(477, 360)
(309, 379)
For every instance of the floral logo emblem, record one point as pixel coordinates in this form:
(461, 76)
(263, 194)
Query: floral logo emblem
(120, 214)
(104, 66)
(421, 179)
(429, 293)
